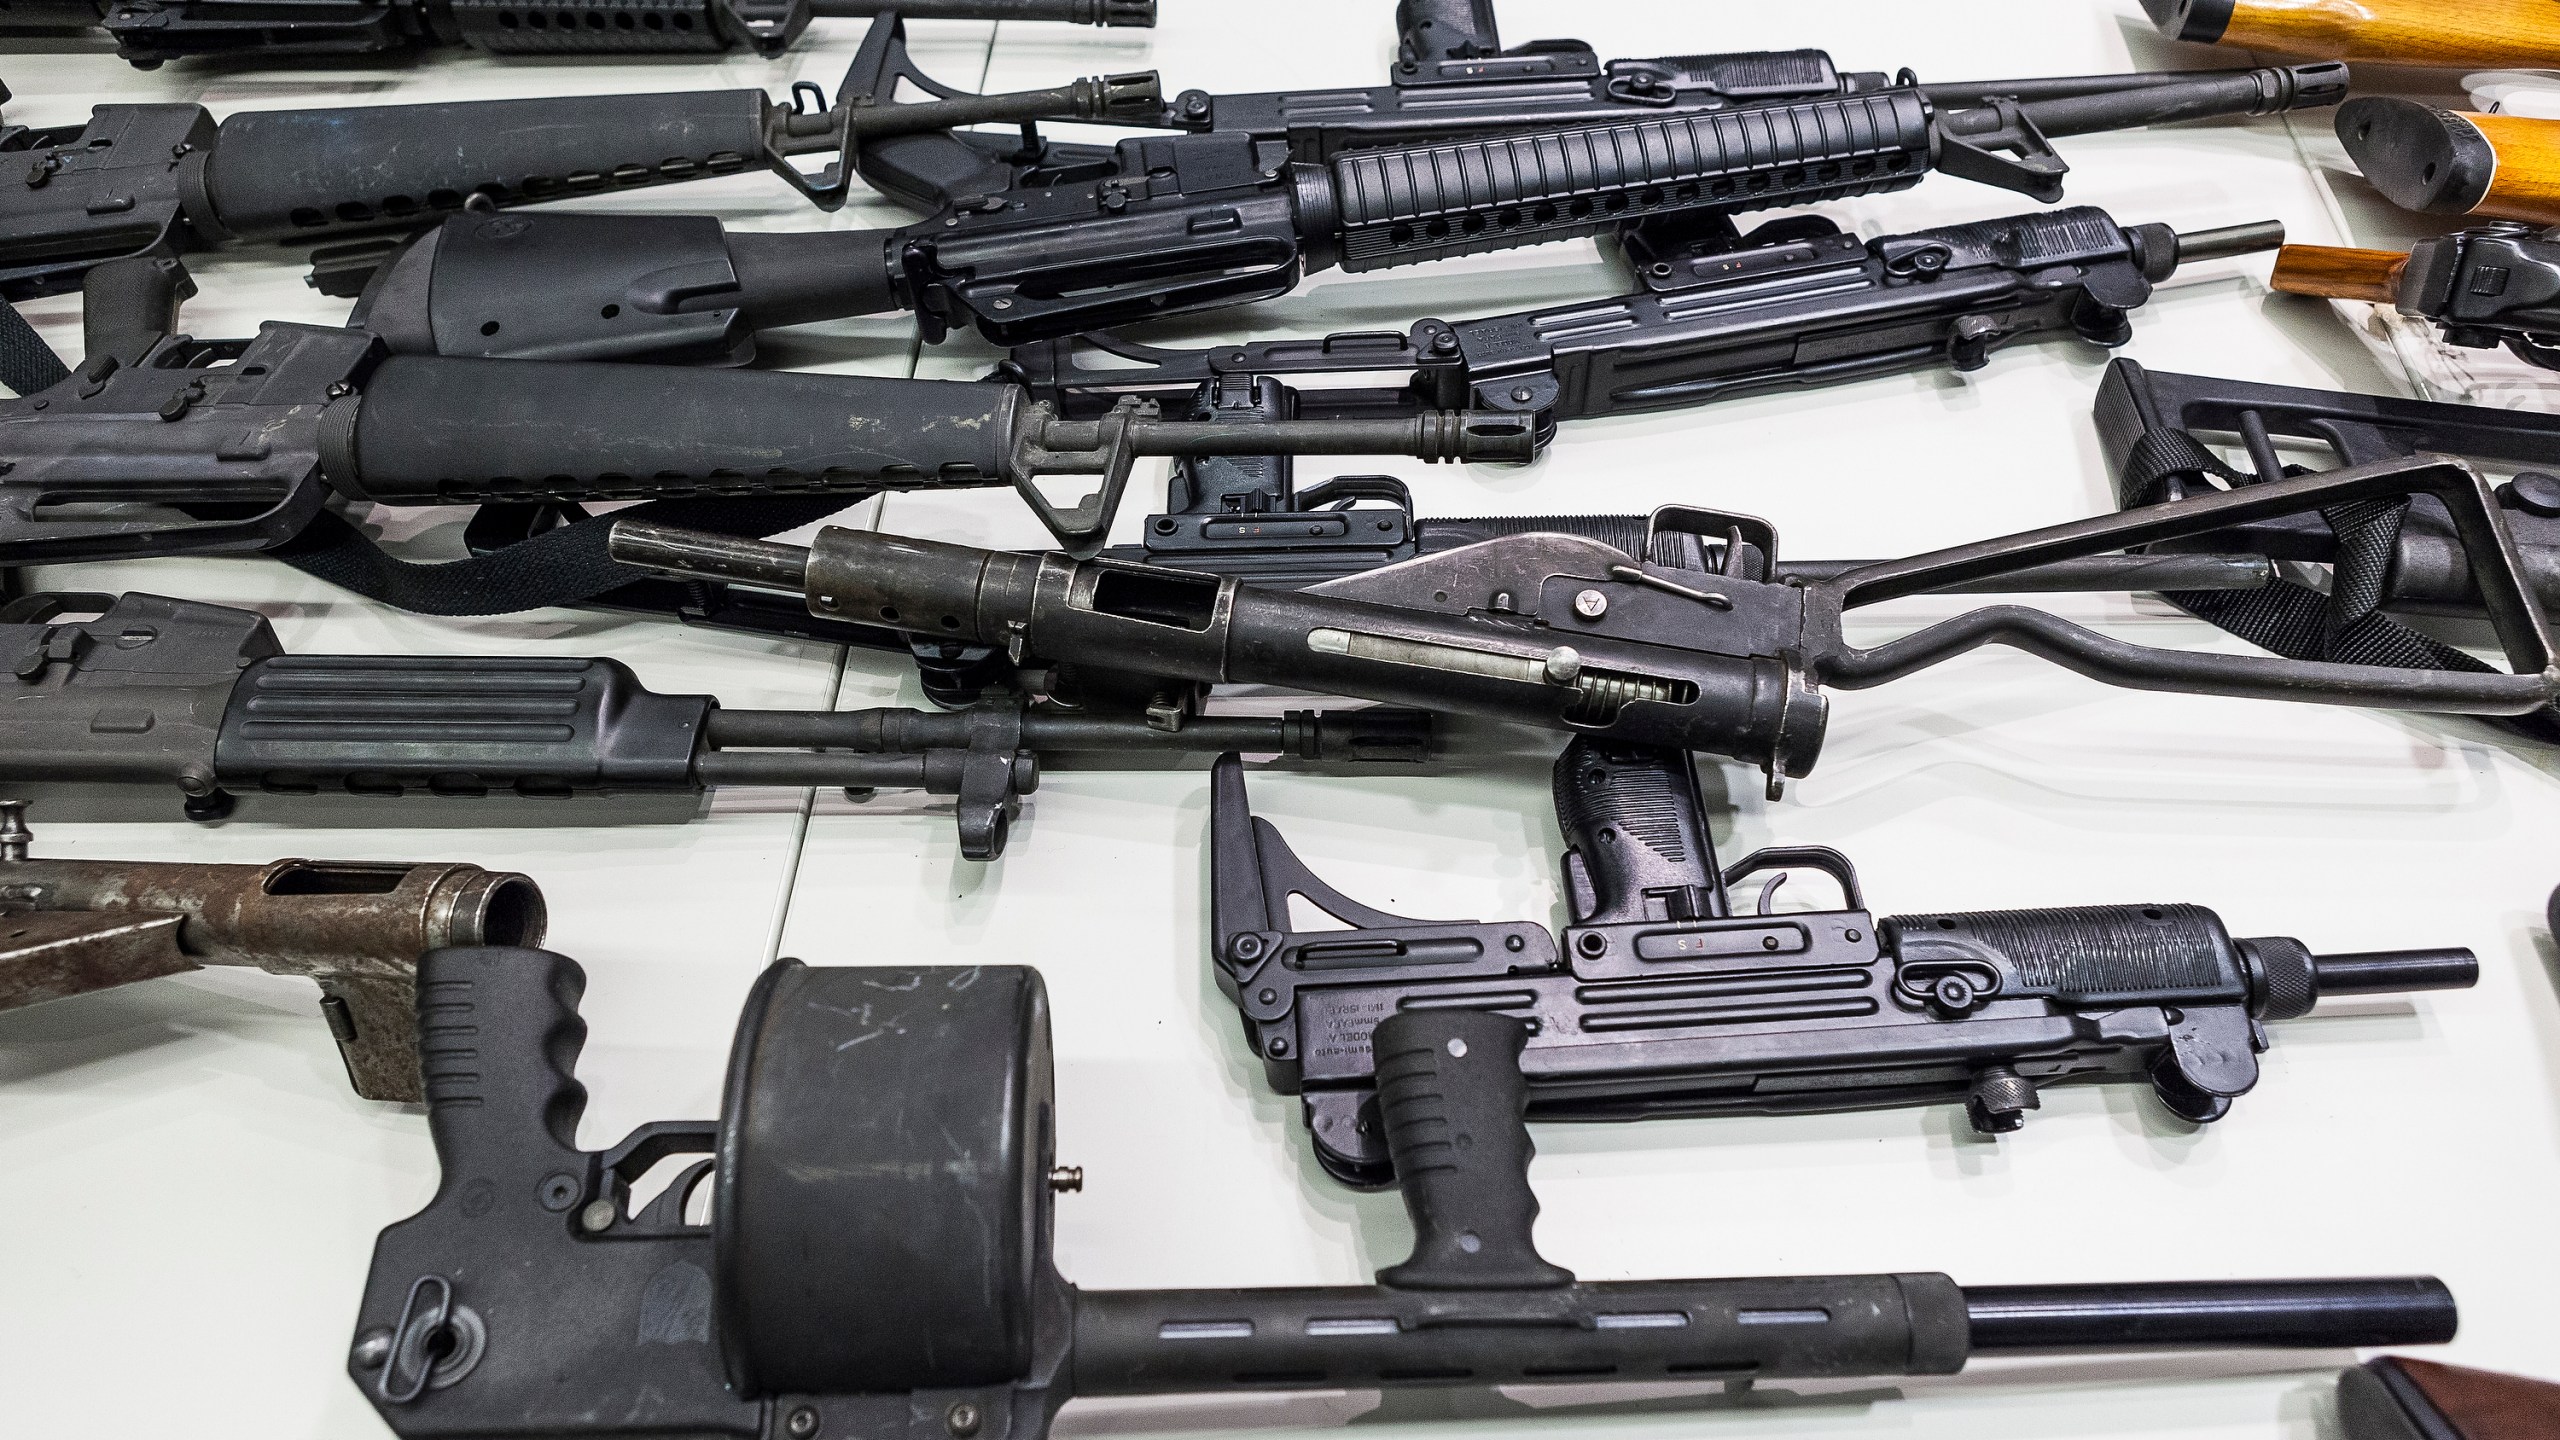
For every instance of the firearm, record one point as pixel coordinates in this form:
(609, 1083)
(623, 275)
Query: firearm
(2448, 162)
(2399, 1398)
(855, 1279)
(2487, 287)
(357, 927)
(1191, 223)
(140, 180)
(2164, 435)
(1567, 633)
(1452, 79)
(142, 690)
(162, 444)
(2479, 34)
(1660, 998)
(1793, 303)
(152, 32)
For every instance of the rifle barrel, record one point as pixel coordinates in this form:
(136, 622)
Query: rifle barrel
(2292, 1314)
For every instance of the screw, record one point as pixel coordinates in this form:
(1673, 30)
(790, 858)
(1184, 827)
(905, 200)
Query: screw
(15, 837)
(1513, 943)
(1067, 1179)
(1267, 995)
(1442, 342)
(559, 1192)
(961, 1419)
(1247, 947)
(1004, 304)
(597, 1217)
(802, 1423)
(1852, 936)
(1590, 604)
(373, 1348)
(1520, 394)
(1278, 1049)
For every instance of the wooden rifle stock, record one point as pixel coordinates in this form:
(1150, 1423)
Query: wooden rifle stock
(2484, 34)
(2337, 273)
(2449, 162)
(2397, 1398)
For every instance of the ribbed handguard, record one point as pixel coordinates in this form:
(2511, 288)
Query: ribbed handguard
(290, 174)
(2087, 955)
(1406, 205)
(590, 27)
(432, 430)
(453, 725)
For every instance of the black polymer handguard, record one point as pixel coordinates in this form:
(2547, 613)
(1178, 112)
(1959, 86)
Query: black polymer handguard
(163, 691)
(1570, 634)
(1658, 998)
(878, 1254)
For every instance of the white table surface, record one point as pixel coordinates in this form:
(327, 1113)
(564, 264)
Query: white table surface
(192, 1192)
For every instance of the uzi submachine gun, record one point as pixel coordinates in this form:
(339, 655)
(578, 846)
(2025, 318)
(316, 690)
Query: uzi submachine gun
(1662, 996)
(877, 1258)
(136, 180)
(152, 32)
(142, 690)
(1190, 223)
(1570, 634)
(1453, 79)
(74, 927)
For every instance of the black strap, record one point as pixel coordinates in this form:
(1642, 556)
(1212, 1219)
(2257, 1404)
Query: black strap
(2346, 624)
(558, 567)
(27, 364)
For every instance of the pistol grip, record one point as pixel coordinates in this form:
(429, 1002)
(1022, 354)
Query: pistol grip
(498, 1038)
(1455, 1105)
(1635, 832)
(374, 1019)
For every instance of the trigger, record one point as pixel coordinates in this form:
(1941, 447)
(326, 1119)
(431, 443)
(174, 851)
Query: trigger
(1769, 893)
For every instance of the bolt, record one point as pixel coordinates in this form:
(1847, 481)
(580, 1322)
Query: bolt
(1247, 947)
(1278, 1049)
(1590, 604)
(1513, 943)
(597, 1217)
(1067, 1179)
(1004, 304)
(803, 1423)
(373, 1348)
(1444, 341)
(1852, 936)
(1458, 1049)
(961, 1419)
(1520, 394)
(1267, 995)
(1564, 665)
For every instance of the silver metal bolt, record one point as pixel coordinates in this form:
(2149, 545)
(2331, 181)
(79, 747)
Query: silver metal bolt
(15, 837)
(373, 1348)
(1067, 1179)
(1564, 665)
(962, 1419)
(1590, 604)
(597, 1218)
(802, 1423)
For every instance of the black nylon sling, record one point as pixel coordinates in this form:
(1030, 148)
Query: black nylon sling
(2345, 625)
(27, 364)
